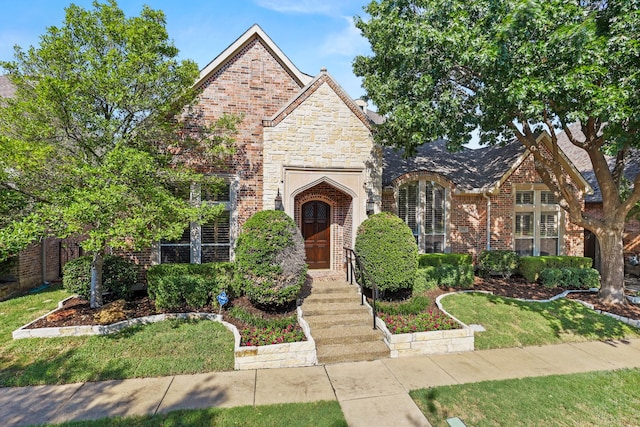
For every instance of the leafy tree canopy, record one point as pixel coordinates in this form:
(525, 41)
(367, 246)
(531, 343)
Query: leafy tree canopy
(90, 140)
(513, 68)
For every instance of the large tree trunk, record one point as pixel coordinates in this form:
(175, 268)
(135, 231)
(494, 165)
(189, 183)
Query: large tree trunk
(612, 267)
(95, 299)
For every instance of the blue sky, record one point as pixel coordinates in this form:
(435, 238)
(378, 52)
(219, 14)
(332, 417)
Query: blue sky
(312, 33)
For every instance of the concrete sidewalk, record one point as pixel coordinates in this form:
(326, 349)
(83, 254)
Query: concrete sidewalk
(369, 393)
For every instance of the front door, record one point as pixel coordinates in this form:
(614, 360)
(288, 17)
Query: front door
(316, 230)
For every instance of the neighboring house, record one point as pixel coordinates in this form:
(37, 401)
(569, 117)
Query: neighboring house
(593, 202)
(40, 263)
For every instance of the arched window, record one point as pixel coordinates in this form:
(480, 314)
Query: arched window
(421, 205)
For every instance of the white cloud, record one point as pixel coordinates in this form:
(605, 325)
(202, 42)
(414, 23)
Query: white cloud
(310, 7)
(348, 42)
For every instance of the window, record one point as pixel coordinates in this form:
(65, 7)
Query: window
(537, 223)
(208, 242)
(421, 205)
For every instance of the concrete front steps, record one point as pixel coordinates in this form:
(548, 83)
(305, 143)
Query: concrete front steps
(341, 327)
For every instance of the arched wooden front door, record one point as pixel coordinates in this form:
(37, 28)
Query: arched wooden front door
(316, 230)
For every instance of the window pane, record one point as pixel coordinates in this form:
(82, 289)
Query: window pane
(549, 224)
(524, 224)
(524, 197)
(216, 231)
(549, 246)
(174, 254)
(184, 239)
(215, 253)
(524, 247)
(216, 193)
(407, 202)
(547, 198)
(434, 244)
(434, 209)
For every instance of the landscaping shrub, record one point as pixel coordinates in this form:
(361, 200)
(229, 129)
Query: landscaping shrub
(270, 258)
(570, 278)
(531, 266)
(454, 276)
(118, 276)
(426, 279)
(435, 260)
(215, 277)
(415, 305)
(497, 262)
(388, 250)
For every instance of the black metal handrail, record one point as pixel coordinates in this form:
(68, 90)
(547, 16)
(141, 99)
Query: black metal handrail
(355, 265)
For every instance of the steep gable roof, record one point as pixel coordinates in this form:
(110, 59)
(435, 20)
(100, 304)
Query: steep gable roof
(308, 90)
(252, 33)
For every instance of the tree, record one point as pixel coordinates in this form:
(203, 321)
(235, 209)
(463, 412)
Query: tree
(513, 68)
(102, 106)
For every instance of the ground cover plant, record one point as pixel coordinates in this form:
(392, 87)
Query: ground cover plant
(513, 323)
(164, 348)
(589, 399)
(289, 414)
(257, 328)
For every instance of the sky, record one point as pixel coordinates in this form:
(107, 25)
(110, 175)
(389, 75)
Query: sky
(312, 33)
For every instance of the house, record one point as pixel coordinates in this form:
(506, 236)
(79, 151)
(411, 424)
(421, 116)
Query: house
(306, 147)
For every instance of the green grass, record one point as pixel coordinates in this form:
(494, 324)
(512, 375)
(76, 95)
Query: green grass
(512, 323)
(609, 398)
(291, 414)
(164, 348)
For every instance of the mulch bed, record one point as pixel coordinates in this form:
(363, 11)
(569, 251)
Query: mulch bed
(77, 312)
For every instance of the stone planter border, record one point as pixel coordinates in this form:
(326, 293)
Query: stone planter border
(269, 356)
(426, 343)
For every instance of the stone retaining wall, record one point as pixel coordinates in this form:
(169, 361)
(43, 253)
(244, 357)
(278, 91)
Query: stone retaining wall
(270, 356)
(424, 343)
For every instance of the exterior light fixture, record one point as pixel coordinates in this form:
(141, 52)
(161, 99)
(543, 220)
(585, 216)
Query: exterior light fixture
(370, 206)
(278, 202)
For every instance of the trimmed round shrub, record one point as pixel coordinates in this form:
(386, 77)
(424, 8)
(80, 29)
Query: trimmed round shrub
(388, 251)
(270, 259)
(118, 276)
(497, 262)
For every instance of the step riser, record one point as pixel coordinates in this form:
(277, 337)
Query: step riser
(351, 357)
(346, 340)
(331, 298)
(323, 312)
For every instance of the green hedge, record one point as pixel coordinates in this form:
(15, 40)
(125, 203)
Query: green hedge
(531, 266)
(415, 305)
(194, 285)
(570, 278)
(118, 276)
(497, 262)
(445, 275)
(388, 250)
(435, 260)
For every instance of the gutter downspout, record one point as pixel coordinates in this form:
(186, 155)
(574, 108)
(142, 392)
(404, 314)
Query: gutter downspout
(486, 196)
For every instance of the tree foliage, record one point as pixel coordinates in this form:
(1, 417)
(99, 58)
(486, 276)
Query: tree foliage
(102, 107)
(511, 69)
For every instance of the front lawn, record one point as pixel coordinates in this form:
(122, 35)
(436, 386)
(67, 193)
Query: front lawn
(591, 399)
(513, 323)
(164, 348)
(290, 414)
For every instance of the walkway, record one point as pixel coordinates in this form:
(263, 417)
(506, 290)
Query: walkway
(369, 393)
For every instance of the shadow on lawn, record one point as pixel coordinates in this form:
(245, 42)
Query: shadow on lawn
(570, 317)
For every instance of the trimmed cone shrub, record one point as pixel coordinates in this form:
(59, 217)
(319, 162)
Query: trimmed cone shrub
(388, 251)
(118, 276)
(270, 259)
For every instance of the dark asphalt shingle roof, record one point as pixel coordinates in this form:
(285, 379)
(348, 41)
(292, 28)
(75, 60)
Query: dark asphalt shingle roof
(469, 169)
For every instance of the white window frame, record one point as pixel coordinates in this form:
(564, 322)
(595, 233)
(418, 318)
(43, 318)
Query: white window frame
(537, 209)
(195, 228)
(419, 231)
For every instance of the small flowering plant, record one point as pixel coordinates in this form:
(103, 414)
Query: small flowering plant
(421, 322)
(256, 336)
